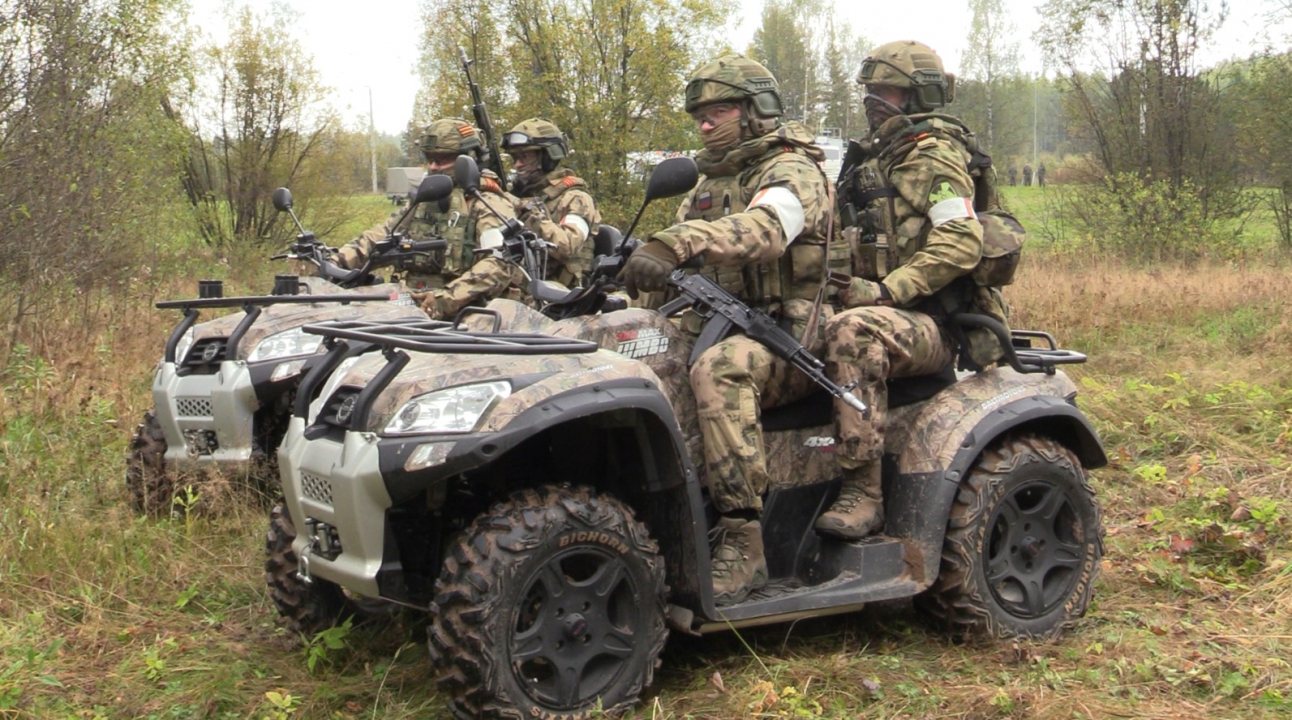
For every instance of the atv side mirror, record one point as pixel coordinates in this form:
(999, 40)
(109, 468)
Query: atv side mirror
(283, 199)
(466, 173)
(433, 188)
(671, 178)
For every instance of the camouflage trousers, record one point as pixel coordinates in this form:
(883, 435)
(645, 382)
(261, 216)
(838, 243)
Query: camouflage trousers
(733, 382)
(867, 346)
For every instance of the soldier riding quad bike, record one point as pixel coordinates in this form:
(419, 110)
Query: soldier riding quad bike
(538, 492)
(223, 389)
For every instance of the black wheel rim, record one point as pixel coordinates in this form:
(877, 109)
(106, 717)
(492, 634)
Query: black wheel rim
(575, 628)
(1035, 549)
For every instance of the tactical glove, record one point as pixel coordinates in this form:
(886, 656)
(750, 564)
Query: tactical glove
(433, 303)
(864, 293)
(648, 268)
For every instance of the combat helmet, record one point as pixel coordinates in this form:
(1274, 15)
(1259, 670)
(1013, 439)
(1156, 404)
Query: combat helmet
(737, 79)
(451, 135)
(538, 134)
(913, 65)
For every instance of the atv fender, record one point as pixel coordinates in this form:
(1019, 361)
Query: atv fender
(664, 489)
(920, 496)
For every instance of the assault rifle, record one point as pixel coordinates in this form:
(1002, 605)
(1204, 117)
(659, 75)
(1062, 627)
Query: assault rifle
(722, 311)
(481, 114)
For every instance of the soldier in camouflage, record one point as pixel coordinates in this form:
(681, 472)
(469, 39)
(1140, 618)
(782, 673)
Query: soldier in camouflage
(449, 280)
(759, 220)
(553, 201)
(909, 212)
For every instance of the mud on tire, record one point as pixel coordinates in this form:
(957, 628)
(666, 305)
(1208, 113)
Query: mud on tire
(151, 488)
(1023, 544)
(306, 608)
(550, 602)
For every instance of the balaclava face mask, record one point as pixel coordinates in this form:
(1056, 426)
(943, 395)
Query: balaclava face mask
(720, 137)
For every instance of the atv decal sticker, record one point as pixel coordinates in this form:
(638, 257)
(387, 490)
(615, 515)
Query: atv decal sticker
(824, 442)
(636, 344)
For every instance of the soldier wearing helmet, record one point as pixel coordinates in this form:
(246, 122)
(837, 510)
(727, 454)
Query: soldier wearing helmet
(910, 211)
(449, 280)
(758, 218)
(553, 201)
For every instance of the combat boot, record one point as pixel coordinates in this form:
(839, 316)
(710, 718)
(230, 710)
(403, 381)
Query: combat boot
(739, 566)
(859, 510)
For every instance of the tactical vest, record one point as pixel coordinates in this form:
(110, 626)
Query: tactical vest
(797, 274)
(571, 271)
(450, 219)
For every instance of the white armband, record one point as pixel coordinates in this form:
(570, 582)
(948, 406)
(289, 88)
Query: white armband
(950, 209)
(785, 204)
(578, 224)
(491, 238)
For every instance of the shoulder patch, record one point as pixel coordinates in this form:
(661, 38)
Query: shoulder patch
(569, 181)
(489, 184)
(941, 191)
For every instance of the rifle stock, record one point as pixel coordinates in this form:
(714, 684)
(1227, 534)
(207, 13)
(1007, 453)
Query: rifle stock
(481, 114)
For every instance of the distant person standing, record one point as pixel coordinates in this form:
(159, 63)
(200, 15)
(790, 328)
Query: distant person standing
(1013, 176)
(1027, 174)
(1040, 175)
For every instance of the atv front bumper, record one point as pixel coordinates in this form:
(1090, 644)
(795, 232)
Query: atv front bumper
(207, 419)
(338, 501)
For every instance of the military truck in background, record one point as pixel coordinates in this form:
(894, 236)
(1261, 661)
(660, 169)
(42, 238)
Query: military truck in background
(400, 181)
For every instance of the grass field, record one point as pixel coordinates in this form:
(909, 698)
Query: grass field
(107, 615)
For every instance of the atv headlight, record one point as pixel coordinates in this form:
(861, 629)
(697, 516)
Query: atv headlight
(185, 344)
(333, 382)
(452, 410)
(288, 343)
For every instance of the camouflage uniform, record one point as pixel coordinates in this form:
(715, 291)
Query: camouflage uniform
(918, 235)
(450, 279)
(746, 250)
(759, 219)
(556, 204)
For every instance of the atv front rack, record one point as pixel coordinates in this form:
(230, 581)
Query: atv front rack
(437, 336)
(349, 338)
(252, 305)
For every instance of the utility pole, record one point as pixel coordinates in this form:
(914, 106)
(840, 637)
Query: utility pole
(372, 142)
(1035, 85)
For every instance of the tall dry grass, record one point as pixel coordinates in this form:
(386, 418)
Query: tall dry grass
(103, 614)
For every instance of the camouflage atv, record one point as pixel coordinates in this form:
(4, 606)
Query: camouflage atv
(223, 389)
(539, 492)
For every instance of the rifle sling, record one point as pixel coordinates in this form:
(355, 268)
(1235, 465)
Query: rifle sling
(880, 192)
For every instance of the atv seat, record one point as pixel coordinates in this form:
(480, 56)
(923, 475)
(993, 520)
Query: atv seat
(606, 240)
(816, 409)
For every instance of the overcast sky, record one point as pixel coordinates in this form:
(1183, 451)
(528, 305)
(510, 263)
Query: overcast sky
(372, 45)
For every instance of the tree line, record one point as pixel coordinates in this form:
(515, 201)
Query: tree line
(122, 130)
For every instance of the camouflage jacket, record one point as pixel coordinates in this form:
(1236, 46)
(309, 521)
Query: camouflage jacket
(759, 217)
(463, 222)
(564, 214)
(916, 198)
